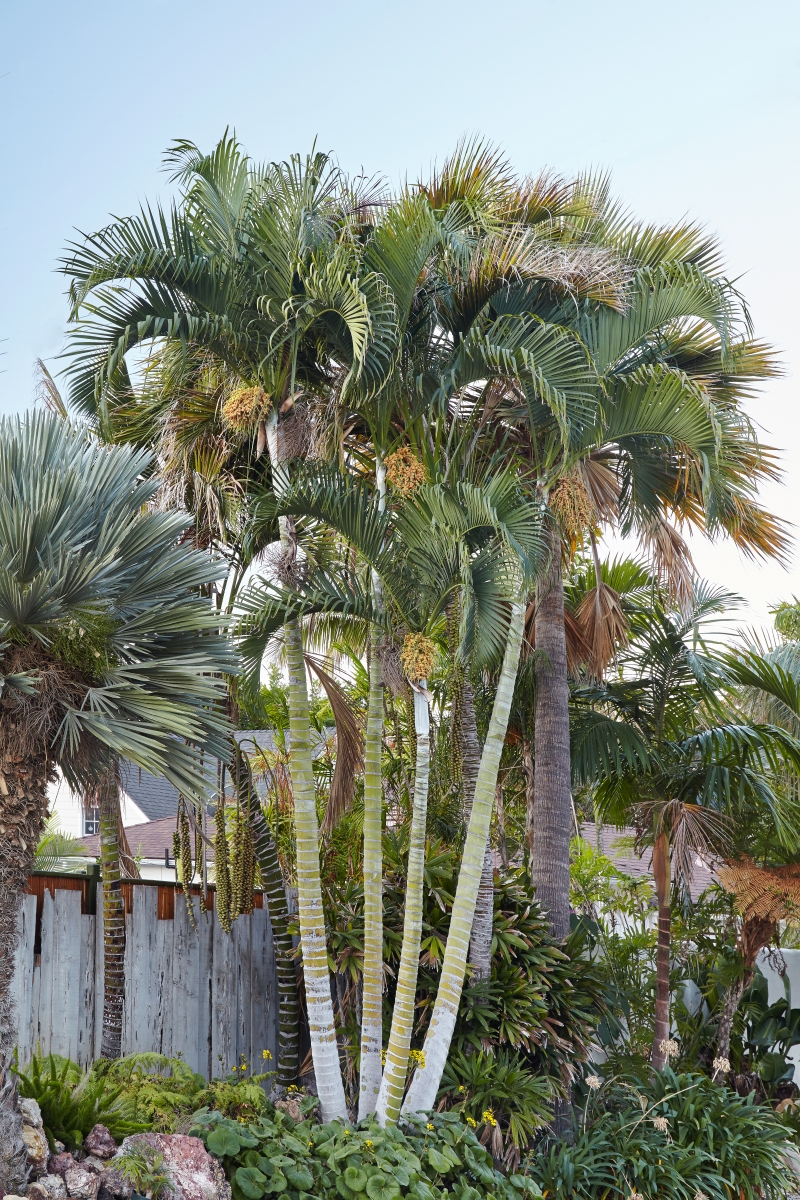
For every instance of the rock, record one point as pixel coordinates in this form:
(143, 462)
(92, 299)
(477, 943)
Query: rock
(100, 1143)
(291, 1107)
(59, 1146)
(59, 1164)
(82, 1183)
(188, 1163)
(92, 1163)
(114, 1185)
(49, 1187)
(223, 1187)
(37, 1147)
(31, 1113)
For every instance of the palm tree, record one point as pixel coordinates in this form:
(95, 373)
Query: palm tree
(671, 362)
(261, 271)
(670, 755)
(106, 645)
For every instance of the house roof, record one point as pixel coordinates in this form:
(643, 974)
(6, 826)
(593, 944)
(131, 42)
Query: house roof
(157, 798)
(148, 840)
(617, 844)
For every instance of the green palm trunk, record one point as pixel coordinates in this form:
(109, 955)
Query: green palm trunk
(371, 1068)
(396, 1071)
(313, 945)
(321, 1027)
(422, 1093)
(372, 1006)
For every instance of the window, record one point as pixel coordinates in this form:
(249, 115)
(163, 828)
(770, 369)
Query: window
(91, 821)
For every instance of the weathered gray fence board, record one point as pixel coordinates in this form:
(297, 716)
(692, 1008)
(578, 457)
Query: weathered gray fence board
(65, 972)
(45, 1030)
(99, 989)
(86, 1008)
(145, 978)
(22, 985)
(205, 995)
(223, 995)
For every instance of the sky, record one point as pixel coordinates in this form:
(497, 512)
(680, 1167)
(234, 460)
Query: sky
(694, 109)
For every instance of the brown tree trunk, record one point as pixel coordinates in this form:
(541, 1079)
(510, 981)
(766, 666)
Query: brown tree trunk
(755, 934)
(661, 1027)
(106, 797)
(732, 997)
(23, 806)
(552, 784)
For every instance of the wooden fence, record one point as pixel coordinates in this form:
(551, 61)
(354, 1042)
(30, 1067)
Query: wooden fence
(206, 996)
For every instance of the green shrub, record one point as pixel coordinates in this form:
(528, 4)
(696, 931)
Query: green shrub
(73, 1102)
(672, 1136)
(166, 1091)
(427, 1160)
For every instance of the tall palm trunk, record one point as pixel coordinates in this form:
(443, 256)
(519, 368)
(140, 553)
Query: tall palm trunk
(480, 944)
(371, 1068)
(395, 1073)
(272, 881)
(552, 785)
(24, 777)
(661, 1026)
(422, 1093)
(372, 1002)
(106, 796)
(322, 1029)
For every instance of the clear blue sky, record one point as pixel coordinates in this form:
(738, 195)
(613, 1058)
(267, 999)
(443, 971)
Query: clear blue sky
(693, 107)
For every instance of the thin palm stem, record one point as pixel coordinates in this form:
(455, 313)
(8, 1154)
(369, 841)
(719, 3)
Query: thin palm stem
(425, 1085)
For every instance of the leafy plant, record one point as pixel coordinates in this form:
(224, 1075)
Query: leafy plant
(428, 1159)
(143, 1166)
(72, 1102)
(165, 1091)
(668, 1135)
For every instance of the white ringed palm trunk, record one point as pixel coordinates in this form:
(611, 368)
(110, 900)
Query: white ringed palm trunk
(395, 1073)
(372, 1003)
(371, 1068)
(425, 1085)
(313, 944)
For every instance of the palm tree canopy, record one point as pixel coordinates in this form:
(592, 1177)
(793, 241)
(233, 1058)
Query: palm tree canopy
(104, 631)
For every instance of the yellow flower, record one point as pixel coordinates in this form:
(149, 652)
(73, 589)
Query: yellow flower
(489, 1117)
(471, 1121)
(369, 1144)
(462, 1088)
(429, 1126)
(266, 1054)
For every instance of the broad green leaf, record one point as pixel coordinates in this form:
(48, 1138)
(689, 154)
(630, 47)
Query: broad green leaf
(251, 1182)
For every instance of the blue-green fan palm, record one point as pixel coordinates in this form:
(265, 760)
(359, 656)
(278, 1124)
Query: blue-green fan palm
(108, 646)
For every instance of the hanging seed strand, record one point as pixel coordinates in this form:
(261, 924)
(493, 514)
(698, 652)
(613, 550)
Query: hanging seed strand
(222, 872)
(187, 866)
(199, 857)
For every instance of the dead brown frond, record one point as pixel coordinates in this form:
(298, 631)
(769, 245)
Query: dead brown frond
(604, 627)
(694, 831)
(391, 666)
(349, 747)
(764, 893)
(578, 649)
(670, 559)
(601, 483)
(47, 392)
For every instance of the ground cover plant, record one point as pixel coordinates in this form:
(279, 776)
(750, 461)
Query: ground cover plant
(426, 1159)
(671, 1135)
